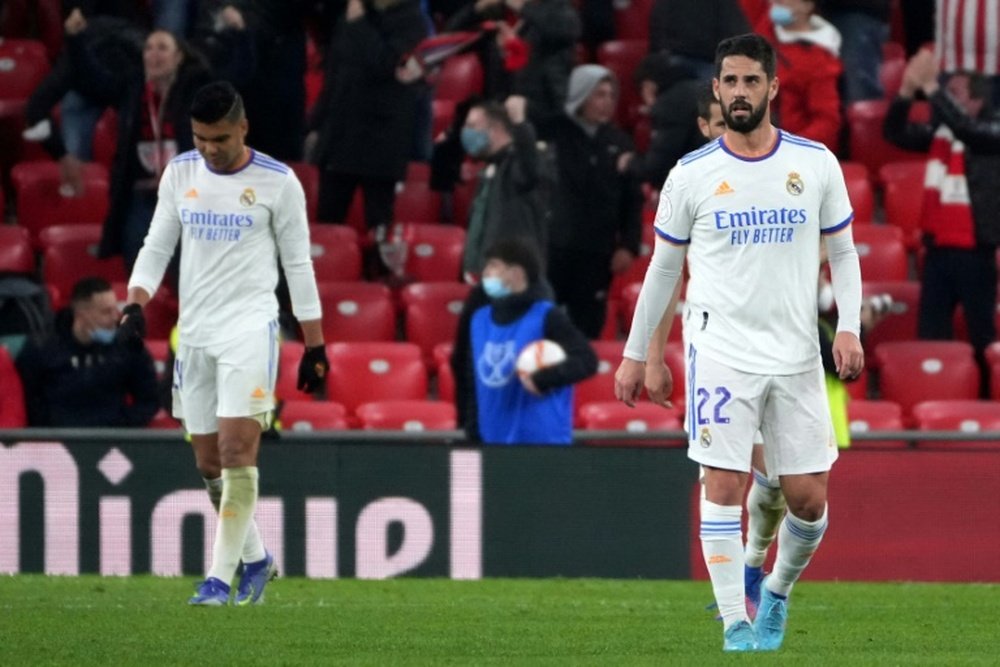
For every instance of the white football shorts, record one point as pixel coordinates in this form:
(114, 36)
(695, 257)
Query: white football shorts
(231, 379)
(727, 407)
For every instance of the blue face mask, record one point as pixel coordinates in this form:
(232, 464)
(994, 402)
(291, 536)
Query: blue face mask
(103, 336)
(475, 142)
(781, 15)
(494, 287)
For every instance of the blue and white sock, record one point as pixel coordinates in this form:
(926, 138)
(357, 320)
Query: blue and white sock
(722, 547)
(797, 542)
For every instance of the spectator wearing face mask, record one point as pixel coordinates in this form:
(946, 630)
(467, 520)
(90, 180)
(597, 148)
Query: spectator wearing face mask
(80, 375)
(507, 311)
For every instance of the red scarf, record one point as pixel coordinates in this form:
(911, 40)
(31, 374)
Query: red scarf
(947, 212)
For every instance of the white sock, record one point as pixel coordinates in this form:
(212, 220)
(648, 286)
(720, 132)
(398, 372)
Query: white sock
(722, 547)
(239, 499)
(765, 507)
(797, 541)
(253, 548)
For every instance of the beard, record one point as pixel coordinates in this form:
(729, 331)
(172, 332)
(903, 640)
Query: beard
(745, 124)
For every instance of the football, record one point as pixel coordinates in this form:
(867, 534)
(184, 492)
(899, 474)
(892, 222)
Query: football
(539, 354)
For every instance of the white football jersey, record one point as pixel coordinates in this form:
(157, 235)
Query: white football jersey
(754, 225)
(233, 227)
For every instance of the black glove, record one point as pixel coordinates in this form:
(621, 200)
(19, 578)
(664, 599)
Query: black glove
(132, 327)
(313, 368)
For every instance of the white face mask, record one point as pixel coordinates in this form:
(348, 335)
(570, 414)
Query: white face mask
(824, 298)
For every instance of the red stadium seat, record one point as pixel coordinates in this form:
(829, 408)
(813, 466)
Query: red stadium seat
(289, 356)
(407, 415)
(968, 416)
(445, 378)
(434, 251)
(916, 371)
(418, 172)
(430, 312)
(900, 324)
(622, 56)
(882, 252)
(616, 416)
(16, 255)
(23, 65)
(69, 253)
(335, 251)
(868, 416)
(632, 21)
(40, 205)
(12, 410)
(859, 189)
(600, 386)
(904, 197)
(416, 202)
(357, 311)
(460, 77)
(365, 372)
(305, 415)
(159, 349)
(890, 71)
(866, 142)
(442, 113)
(993, 360)
(309, 178)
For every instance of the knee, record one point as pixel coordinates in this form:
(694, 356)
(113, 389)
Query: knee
(808, 509)
(209, 470)
(233, 452)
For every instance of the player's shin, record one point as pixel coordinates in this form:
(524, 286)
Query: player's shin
(239, 500)
(765, 507)
(722, 547)
(253, 546)
(797, 541)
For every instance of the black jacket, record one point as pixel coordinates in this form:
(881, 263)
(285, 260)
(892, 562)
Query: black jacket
(364, 116)
(694, 27)
(581, 361)
(674, 122)
(70, 384)
(595, 208)
(981, 137)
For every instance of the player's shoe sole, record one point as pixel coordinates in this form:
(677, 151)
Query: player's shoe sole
(253, 580)
(211, 593)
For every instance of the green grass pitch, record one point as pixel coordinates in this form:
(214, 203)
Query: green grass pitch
(91, 620)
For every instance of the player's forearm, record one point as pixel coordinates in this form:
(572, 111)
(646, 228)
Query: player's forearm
(662, 277)
(845, 270)
(658, 341)
(312, 332)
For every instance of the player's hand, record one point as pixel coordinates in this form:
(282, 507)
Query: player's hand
(659, 383)
(628, 381)
(132, 326)
(312, 369)
(75, 23)
(848, 355)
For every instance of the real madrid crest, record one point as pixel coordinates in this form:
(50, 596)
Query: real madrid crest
(794, 184)
(705, 438)
(248, 198)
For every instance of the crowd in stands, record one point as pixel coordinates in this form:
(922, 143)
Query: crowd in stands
(426, 131)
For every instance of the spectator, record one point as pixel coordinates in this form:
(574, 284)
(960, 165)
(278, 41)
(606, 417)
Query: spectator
(864, 27)
(80, 375)
(669, 94)
(511, 199)
(506, 312)
(959, 217)
(689, 30)
(597, 204)
(362, 126)
(966, 36)
(808, 48)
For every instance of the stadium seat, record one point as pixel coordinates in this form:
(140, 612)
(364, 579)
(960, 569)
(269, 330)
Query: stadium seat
(890, 71)
(416, 202)
(159, 349)
(434, 251)
(600, 386)
(335, 251)
(968, 416)
(442, 113)
(407, 415)
(365, 372)
(868, 416)
(632, 22)
(881, 251)
(308, 175)
(289, 355)
(859, 190)
(461, 76)
(306, 415)
(430, 314)
(16, 254)
(904, 197)
(445, 378)
(900, 324)
(616, 416)
(418, 172)
(164, 420)
(24, 64)
(622, 57)
(40, 205)
(69, 253)
(993, 360)
(915, 371)
(357, 311)
(867, 145)
(12, 409)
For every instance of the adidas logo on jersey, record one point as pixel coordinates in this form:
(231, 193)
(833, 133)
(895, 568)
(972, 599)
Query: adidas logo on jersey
(724, 189)
(191, 194)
